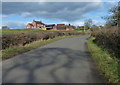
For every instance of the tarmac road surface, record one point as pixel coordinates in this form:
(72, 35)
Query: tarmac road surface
(63, 61)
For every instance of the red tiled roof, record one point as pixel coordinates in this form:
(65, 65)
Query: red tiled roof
(30, 24)
(60, 24)
(39, 22)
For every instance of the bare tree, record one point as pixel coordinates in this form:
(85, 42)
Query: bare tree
(88, 24)
(114, 18)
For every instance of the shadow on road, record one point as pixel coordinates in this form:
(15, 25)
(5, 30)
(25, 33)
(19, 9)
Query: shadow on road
(51, 65)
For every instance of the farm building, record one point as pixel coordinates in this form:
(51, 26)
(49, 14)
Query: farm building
(49, 27)
(5, 27)
(42, 26)
(35, 25)
(64, 27)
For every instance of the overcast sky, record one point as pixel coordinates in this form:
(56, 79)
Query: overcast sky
(18, 14)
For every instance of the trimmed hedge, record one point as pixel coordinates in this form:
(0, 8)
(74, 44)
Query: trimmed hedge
(11, 40)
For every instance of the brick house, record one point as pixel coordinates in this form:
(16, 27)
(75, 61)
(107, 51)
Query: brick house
(63, 27)
(42, 26)
(29, 26)
(35, 25)
(70, 27)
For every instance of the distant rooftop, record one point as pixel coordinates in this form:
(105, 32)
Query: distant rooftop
(38, 22)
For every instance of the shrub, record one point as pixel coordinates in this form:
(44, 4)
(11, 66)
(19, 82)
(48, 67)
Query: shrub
(108, 39)
(11, 40)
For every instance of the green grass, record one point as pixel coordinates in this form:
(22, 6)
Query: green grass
(11, 31)
(67, 31)
(10, 52)
(106, 62)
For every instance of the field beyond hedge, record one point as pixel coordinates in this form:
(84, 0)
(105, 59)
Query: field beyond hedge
(11, 31)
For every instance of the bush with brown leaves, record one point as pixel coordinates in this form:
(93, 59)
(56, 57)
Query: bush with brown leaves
(108, 39)
(21, 39)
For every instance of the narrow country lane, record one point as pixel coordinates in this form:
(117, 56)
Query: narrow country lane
(63, 61)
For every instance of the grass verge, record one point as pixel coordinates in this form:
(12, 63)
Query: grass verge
(106, 63)
(10, 52)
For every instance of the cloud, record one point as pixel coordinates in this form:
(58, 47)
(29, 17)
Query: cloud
(100, 22)
(64, 11)
(76, 23)
(14, 24)
(51, 1)
(81, 23)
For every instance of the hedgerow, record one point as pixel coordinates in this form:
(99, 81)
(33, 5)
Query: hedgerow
(108, 39)
(21, 39)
